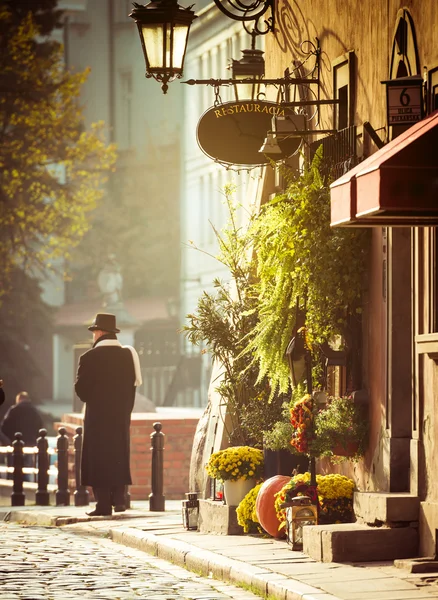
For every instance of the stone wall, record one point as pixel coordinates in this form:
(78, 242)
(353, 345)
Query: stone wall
(179, 427)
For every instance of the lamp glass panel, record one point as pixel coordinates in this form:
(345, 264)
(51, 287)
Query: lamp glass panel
(153, 42)
(247, 91)
(180, 34)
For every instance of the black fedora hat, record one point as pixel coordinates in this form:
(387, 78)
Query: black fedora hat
(104, 322)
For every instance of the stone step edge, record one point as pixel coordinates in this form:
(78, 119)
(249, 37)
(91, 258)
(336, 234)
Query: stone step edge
(211, 565)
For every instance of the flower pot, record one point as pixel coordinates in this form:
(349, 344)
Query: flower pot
(348, 449)
(235, 491)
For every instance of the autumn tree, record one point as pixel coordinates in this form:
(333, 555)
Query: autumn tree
(51, 169)
(52, 173)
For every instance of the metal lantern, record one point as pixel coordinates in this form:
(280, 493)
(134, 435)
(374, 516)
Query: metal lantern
(216, 489)
(301, 513)
(163, 26)
(190, 511)
(298, 357)
(250, 69)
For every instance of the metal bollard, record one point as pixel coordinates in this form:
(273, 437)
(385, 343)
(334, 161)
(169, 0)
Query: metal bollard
(42, 495)
(62, 493)
(17, 496)
(127, 497)
(81, 494)
(156, 497)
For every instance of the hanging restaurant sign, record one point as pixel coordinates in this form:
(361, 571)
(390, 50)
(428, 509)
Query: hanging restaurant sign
(233, 132)
(404, 98)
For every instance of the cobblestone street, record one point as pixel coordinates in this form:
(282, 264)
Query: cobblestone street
(44, 563)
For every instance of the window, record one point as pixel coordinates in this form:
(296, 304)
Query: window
(343, 88)
(433, 90)
(404, 57)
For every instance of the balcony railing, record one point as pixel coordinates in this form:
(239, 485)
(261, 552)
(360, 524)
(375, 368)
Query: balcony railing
(338, 151)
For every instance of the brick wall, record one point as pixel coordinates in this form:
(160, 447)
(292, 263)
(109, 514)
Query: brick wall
(179, 426)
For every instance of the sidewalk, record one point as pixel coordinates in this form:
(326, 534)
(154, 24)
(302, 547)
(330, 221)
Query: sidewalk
(264, 565)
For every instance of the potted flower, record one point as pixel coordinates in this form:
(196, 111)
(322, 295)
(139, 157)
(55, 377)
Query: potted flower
(246, 512)
(340, 429)
(241, 465)
(334, 497)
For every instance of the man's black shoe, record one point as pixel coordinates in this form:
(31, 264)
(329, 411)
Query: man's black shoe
(98, 513)
(119, 508)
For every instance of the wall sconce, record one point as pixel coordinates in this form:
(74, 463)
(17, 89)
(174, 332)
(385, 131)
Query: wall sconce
(301, 513)
(190, 511)
(163, 26)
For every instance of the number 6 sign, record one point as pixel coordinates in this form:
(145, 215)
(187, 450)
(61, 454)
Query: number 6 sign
(405, 100)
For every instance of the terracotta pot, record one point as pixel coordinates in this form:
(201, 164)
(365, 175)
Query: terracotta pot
(265, 508)
(235, 491)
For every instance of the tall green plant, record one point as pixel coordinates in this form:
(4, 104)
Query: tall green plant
(223, 320)
(300, 258)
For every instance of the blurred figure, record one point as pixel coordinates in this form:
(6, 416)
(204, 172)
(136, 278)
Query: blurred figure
(25, 418)
(2, 392)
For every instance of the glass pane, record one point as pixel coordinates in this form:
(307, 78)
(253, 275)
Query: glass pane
(153, 41)
(180, 34)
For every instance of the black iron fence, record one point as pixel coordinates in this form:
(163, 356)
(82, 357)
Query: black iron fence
(39, 468)
(42, 469)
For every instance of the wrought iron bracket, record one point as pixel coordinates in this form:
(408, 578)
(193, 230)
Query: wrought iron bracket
(252, 10)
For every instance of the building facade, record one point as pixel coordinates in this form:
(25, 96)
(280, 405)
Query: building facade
(362, 45)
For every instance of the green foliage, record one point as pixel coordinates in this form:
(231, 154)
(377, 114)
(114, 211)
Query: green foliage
(301, 259)
(51, 169)
(246, 512)
(222, 322)
(340, 423)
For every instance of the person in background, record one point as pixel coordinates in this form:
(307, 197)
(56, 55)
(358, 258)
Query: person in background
(24, 417)
(106, 380)
(2, 392)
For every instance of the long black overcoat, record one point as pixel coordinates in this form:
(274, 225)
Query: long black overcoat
(105, 382)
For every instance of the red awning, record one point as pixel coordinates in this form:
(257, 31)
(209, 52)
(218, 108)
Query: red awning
(397, 185)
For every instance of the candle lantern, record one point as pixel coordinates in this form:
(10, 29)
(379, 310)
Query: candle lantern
(190, 511)
(216, 489)
(301, 513)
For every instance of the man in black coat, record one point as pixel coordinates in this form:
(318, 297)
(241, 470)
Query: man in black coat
(106, 379)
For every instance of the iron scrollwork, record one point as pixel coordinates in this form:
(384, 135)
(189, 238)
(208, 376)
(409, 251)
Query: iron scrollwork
(252, 10)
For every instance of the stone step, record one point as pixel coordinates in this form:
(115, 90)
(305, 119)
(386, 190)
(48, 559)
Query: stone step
(426, 564)
(353, 542)
(379, 507)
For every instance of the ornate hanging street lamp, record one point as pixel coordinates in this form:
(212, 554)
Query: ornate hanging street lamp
(163, 26)
(248, 72)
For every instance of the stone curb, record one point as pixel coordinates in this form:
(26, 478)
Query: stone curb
(209, 564)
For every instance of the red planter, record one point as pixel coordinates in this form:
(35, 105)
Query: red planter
(350, 449)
